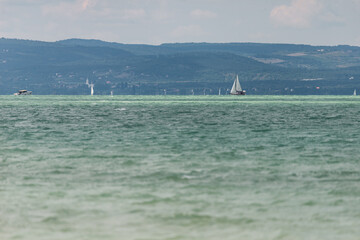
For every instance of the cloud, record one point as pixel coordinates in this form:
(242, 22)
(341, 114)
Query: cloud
(332, 18)
(85, 4)
(298, 14)
(356, 4)
(68, 8)
(131, 14)
(198, 13)
(258, 36)
(189, 30)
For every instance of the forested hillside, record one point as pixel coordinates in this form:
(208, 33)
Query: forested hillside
(181, 68)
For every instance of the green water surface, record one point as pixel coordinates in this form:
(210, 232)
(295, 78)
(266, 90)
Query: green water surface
(179, 167)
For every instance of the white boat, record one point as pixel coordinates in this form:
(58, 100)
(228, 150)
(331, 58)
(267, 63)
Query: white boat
(354, 92)
(23, 92)
(236, 88)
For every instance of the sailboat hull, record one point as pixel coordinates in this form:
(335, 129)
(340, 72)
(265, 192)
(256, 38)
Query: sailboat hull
(239, 93)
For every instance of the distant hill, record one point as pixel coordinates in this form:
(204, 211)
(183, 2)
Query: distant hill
(181, 68)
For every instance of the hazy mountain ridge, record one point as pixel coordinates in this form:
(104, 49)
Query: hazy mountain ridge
(62, 67)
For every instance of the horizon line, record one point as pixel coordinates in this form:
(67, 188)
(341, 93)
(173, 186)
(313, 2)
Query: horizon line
(164, 43)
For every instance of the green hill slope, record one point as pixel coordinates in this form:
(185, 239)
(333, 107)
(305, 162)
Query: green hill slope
(62, 67)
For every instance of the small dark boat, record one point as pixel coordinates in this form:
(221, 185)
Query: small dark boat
(23, 92)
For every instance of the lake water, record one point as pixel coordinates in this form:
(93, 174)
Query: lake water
(178, 167)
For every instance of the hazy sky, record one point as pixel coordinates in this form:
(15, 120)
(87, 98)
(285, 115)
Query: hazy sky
(317, 22)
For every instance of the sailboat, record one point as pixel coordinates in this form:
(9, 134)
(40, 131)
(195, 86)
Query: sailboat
(354, 92)
(236, 88)
(92, 89)
(91, 86)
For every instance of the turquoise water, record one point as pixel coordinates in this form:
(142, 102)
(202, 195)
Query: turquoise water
(176, 167)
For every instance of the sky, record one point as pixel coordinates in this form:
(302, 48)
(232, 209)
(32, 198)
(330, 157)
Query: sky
(315, 22)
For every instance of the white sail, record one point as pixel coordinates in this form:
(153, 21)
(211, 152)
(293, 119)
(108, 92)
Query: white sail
(92, 89)
(233, 89)
(354, 92)
(236, 86)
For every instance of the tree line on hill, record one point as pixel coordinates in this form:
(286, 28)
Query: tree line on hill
(63, 67)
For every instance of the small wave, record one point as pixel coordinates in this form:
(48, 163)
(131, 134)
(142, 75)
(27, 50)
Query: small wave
(54, 220)
(209, 219)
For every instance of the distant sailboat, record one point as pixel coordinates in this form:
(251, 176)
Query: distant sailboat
(236, 88)
(91, 86)
(92, 89)
(354, 92)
